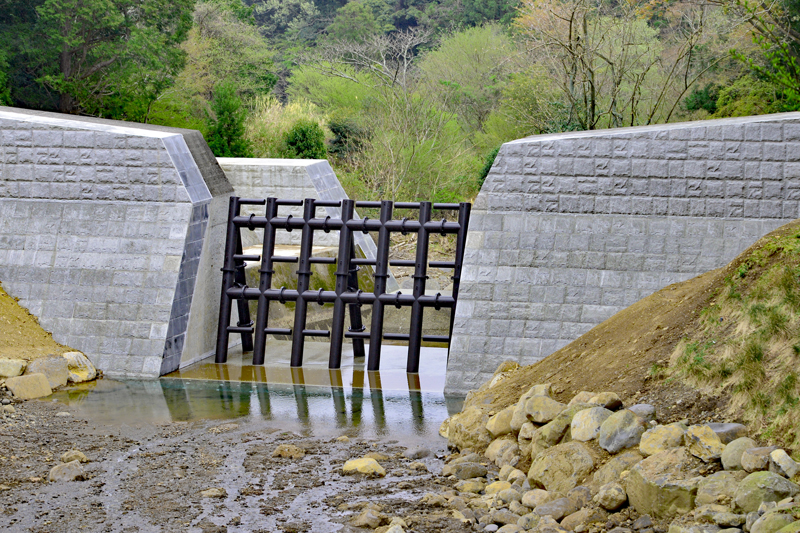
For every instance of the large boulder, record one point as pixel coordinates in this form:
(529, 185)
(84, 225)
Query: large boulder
(467, 429)
(771, 522)
(29, 386)
(500, 424)
(66, 472)
(464, 470)
(557, 509)
(80, 368)
(586, 424)
(761, 487)
(645, 411)
(703, 443)
(585, 516)
(621, 430)
(54, 367)
(364, 465)
(498, 447)
(524, 438)
(661, 438)
(11, 368)
(660, 486)
(542, 409)
(556, 430)
(561, 467)
(612, 470)
(609, 400)
(756, 459)
(519, 417)
(728, 432)
(717, 486)
(582, 397)
(781, 463)
(732, 454)
(611, 496)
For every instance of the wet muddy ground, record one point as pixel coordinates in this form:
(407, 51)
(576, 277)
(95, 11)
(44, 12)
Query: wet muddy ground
(149, 477)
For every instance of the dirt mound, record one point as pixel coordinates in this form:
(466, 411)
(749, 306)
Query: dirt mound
(21, 336)
(639, 353)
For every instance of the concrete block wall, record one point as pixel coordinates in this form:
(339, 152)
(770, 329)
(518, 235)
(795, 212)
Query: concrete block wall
(569, 229)
(295, 179)
(107, 230)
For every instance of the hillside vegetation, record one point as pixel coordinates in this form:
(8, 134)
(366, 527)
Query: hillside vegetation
(721, 346)
(409, 100)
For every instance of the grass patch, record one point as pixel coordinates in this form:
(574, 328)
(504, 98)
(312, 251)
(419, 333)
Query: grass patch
(749, 341)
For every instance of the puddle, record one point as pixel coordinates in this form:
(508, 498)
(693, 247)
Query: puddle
(310, 410)
(311, 399)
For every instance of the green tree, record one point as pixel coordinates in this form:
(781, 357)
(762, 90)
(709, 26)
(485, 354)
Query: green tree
(224, 44)
(776, 31)
(749, 96)
(5, 92)
(412, 148)
(305, 140)
(354, 21)
(468, 70)
(101, 57)
(225, 126)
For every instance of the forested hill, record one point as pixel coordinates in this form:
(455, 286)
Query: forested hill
(408, 99)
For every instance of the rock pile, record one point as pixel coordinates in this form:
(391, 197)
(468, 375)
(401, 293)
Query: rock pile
(591, 465)
(28, 380)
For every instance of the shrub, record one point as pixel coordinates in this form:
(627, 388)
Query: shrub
(305, 140)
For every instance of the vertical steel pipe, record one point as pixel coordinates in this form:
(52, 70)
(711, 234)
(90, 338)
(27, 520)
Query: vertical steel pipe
(461, 244)
(265, 283)
(342, 278)
(420, 278)
(381, 275)
(356, 324)
(228, 280)
(303, 281)
(242, 305)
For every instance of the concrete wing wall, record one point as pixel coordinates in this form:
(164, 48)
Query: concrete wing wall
(294, 179)
(105, 230)
(568, 229)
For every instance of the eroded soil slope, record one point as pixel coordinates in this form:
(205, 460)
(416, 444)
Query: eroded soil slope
(21, 336)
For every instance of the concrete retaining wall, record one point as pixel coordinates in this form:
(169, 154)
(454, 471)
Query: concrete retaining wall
(568, 229)
(109, 233)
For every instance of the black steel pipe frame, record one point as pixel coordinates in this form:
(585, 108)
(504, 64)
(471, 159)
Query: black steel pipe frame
(303, 281)
(265, 283)
(420, 279)
(381, 275)
(342, 279)
(270, 222)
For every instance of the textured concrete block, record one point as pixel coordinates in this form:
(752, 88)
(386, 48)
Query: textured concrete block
(654, 205)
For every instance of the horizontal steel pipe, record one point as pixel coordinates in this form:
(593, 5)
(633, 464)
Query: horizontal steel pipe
(290, 295)
(252, 201)
(335, 224)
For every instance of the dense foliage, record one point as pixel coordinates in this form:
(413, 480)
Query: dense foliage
(407, 99)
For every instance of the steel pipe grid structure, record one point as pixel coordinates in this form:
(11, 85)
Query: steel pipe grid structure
(346, 291)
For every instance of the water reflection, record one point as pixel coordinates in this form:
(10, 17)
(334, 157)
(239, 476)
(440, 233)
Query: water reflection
(361, 409)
